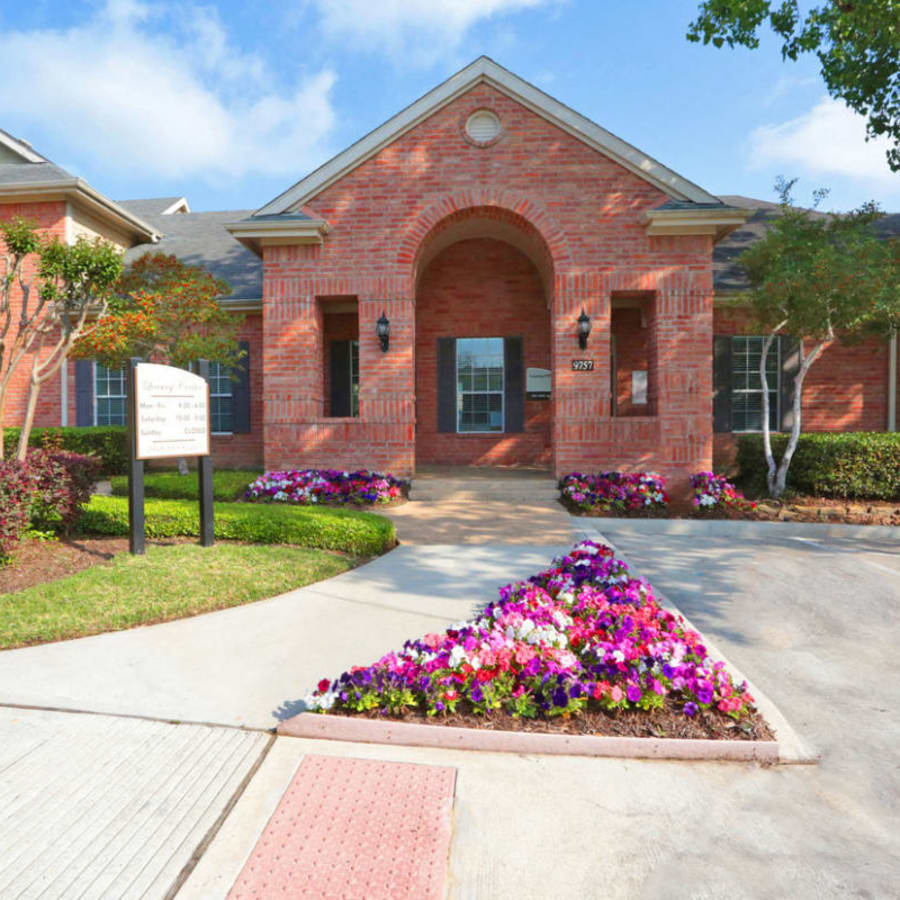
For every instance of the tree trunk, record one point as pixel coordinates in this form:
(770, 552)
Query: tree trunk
(767, 434)
(33, 390)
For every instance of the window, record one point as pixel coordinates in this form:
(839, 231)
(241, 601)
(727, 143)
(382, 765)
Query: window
(109, 395)
(354, 378)
(221, 399)
(746, 386)
(479, 385)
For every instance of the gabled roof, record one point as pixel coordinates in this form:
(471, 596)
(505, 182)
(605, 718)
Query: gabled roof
(200, 239)
(20, 148)
(486, 71)
(156, 206)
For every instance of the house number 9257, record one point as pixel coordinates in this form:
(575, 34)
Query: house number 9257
(582, 365)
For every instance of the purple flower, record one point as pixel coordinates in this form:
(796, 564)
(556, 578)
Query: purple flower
(633, 693)
(705, 695)
(476, 695)
(560, 697)
(690, 708)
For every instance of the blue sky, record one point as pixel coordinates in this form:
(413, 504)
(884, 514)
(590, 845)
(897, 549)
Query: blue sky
(230, 103)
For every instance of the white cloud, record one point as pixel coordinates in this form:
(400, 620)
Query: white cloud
(161, 90)
(828, 140)
(417, 30)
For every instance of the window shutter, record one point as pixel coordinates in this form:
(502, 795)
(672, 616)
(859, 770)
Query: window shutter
(790, 366)
(84, 392)
(446, 385)
(340, 378)
(722, 383)
(514, 398)
(240, 392)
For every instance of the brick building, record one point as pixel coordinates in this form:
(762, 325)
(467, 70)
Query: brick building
(483, 226)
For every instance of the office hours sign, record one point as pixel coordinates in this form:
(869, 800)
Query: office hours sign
(171, 412)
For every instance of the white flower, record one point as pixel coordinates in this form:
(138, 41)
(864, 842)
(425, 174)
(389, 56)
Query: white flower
(457, 656)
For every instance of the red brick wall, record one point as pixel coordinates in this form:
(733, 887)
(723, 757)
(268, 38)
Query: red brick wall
(50, 219)
(480, 288)
(590, 215)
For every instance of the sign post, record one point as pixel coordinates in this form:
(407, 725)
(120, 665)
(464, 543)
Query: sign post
(168, 416)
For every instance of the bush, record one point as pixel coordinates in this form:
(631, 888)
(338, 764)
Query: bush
(351, 531)
(228, 484)
(616, 492)
(851, 465)
(18, 489)
(109, 443)
(64, 483)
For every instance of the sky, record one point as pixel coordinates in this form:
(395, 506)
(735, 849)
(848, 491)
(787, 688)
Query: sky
(230, 103)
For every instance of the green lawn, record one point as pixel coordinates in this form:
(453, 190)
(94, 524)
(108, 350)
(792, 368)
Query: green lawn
(168, 583)
(323, 527)
(228, 484)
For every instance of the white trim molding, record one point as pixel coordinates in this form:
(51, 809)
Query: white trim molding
(715, 222)
(275, 231)
(179, 206)
(20, 148)
(485, 71)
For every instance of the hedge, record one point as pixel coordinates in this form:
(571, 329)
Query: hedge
(325, 528)
(850, 465)
(228, 484)
(107, 442)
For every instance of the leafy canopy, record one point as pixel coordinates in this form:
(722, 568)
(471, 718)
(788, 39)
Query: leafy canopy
(822, 276)
(166, 311)
(857, 43)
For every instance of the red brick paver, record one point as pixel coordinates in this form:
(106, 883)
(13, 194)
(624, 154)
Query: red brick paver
(355, 828)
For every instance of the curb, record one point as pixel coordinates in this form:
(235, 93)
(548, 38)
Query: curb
(730, 528)
(791, 748)
(412, 734)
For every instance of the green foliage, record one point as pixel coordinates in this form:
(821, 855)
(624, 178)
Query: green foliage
(819, 277)
(359, 533)
(79, 274)
(857, 44)
(851, 465)
(20, 236)
(109, 443)
(228, 484)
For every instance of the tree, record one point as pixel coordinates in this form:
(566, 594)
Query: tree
(75, 284)
(857, 43)
(818, 278)
(21, 239)
(167, 312)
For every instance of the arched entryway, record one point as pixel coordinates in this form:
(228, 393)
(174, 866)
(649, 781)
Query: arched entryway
(483, 350)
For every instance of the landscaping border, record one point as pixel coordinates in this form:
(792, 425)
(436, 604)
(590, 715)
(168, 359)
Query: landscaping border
(787, 748)
(731, 528)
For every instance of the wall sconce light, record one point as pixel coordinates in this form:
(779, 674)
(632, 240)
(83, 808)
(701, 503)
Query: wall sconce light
(584, 329)
(383, 331)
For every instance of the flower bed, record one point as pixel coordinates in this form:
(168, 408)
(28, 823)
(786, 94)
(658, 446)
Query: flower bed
(615, 493)
(582, 645)
(305, 486)
(716, 495)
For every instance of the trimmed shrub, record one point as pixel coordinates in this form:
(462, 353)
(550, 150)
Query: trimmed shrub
(851, 465)
(18, 490)
(109, 443)
(228, 484)
(64, 483)
(351, 531)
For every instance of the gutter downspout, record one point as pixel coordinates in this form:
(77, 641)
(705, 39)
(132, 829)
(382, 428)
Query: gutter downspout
(892, 382)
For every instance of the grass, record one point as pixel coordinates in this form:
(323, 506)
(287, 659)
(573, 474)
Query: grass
(228, 484)
(168, 583)
(326, 528)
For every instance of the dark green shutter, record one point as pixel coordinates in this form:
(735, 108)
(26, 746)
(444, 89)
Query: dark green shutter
(722, 383)
(84, 392)
(514, 399)
(240, 392)
(340, 378)
(790, 366)
(446, 385)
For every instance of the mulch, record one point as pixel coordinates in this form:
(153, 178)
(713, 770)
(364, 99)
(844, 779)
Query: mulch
(667, 722)
(37, 562)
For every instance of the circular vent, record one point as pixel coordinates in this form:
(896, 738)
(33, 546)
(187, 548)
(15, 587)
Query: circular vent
(483, 126)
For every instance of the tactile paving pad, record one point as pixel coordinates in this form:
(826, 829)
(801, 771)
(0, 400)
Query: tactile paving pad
(355, 828)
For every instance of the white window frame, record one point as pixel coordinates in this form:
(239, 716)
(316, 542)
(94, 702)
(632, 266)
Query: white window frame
(213, 395)
(502, 391)
(776, 347)
(123, 395)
